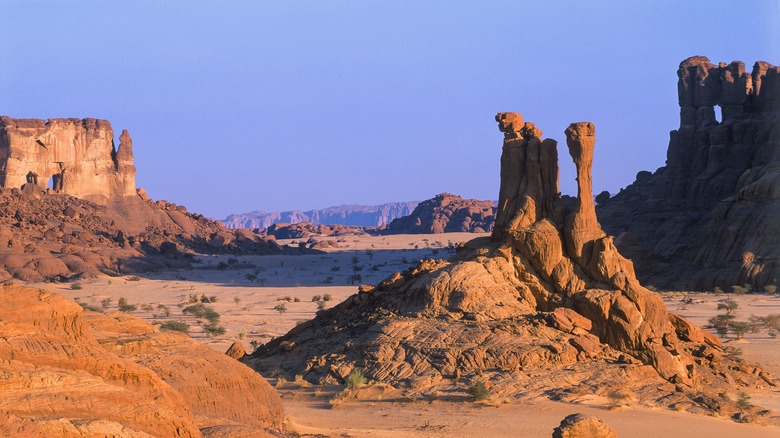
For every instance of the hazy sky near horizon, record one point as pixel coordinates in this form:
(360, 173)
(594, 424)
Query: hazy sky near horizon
(260, 105)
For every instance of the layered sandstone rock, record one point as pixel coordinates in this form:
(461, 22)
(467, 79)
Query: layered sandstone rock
(67, 375)
(446, 213)
(545, 306)
(72, 156)
(711, 216)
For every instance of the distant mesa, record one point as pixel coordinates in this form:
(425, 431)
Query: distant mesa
(711, 216)
(545, 306)
(355, 215)
(91, 219)
(446, 213)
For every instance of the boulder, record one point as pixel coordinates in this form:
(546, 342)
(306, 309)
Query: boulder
(583, 426)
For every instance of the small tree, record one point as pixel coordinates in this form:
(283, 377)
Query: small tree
(281, 308)
(730, 306)
(236, 300)
(739, 328)
(478, 390)
(356, 379)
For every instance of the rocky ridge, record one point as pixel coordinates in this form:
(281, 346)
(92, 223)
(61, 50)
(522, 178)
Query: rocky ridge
(711, 216)
(544, 307)
(357, 215)
(69, 372)
(446, 213)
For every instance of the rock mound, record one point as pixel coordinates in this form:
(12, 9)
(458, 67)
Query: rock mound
(446, 213)
(583, 426)
(711, 216)
(545, 306)
(307, 229)
(67, 372)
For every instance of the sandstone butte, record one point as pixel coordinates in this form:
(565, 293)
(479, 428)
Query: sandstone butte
(67, 372)
(711, 216)
(446, 213)
(546, 306)
(91, 218)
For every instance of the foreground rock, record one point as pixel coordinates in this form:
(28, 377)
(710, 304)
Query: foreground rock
(544, 307)
(711, 216)
(583, 426)
(67, 373)
(446, 213)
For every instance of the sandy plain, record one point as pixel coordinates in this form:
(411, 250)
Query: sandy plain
(250, 289)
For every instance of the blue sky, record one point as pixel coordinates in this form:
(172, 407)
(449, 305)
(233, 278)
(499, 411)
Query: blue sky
(240, 106)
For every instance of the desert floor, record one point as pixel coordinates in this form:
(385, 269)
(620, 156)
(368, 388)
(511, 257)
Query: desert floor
(261, 297)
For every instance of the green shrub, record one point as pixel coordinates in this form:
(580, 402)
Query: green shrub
(321, 305)
(76, 286)
(770, 288)
(729, 306)
(105, 303)
(327, 297)
(281, 308)
(197, 310)
(297, 300)
(739, 290)
(128, 308)
(214, 330)
(211, 316)
(204, 298)
(122, 301)
(88, 307)
(316, 298)
(743, 401)
(356, 379)
(478, 391)
(175, 326)
(165, 310)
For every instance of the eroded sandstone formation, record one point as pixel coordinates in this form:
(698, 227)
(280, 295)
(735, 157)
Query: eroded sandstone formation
(68, 372)
(71, 156)
(545, 306)
(446, 213)
(711, 216)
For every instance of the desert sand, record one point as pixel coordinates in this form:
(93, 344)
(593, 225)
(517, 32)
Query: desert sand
(247, 312)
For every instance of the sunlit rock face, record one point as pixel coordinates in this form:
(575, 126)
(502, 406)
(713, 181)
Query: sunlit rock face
(711, 216)
(71, 156)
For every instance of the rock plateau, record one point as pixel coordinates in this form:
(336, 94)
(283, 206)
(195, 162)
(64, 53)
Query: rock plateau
(446, 213)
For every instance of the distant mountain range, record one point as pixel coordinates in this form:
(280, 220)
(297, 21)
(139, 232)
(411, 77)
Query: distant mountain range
(361, 215)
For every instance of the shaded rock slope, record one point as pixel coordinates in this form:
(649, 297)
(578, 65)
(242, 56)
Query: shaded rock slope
(446, 213)
(357, 215)
(711, 216)
(58, 236)
(67, 372)
(546, 306)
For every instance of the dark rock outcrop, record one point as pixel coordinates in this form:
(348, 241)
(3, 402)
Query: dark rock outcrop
(711, 216)
(583, 426)
(546, 305)
(446, 213)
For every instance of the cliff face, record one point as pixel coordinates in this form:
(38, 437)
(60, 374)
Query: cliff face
(359, 215)
(711, 216)
(72, 156)
(446, 213)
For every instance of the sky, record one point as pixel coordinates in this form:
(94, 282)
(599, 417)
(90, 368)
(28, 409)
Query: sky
(268, 105)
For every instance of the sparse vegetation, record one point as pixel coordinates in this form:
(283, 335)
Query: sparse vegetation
(281, 308)
(316, 298)
(242, 334)
(730, 306)
(76, 286)
(175, 326)
(478, 390)
(327, 297)
(214, 330)
(356, 379)
(743, 401)
(133, 278)
(237, 300)
(105, 303)
(86, 306)
(321, 305)
(164, 309)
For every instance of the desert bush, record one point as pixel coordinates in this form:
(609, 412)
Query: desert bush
(721, 324)
(197, 310)
(204, 298)
(335, 268)
(165, 310)
(355, 278)
(147, 307)
(236, 300)
(222, 266)
(739, 290)
(321, 305)
(478, 390)
(213, 299)
(743, 401)
(315, 298)
(214, 330)
(133, 278)
(175, 326)
(717, 291)
(287, 298)
(739, 328)
(327, 297)
(105, 303)
(250, 277)
(128, 308)
(86, 306)
(110, 282)
(730, 306)
(211, 316)
(732, 351)
(328, 280)
(193, 298)
(355, 379)
(76, 286)
(297, 300)
(281, 308)
(770, 288)
(242, 334)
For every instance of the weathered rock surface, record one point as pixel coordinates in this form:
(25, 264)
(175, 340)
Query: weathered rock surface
(75, 157)
(711, 216)
(583, 426)
(307, 229)
(446, 213)
(356, 215)
(57, 236)
(67, 374)
(545, 306)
